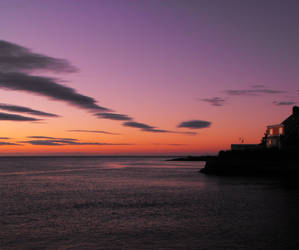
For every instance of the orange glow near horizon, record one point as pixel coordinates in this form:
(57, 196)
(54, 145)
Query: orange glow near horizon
(222, 133)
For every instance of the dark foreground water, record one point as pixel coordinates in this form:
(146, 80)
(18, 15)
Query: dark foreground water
(140, 203)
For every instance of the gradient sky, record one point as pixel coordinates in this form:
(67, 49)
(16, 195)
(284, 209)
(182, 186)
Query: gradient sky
(218, 69)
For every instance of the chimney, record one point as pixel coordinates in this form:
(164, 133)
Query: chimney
(295, 110)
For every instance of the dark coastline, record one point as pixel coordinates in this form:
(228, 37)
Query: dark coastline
(194, 158)
(265, 163)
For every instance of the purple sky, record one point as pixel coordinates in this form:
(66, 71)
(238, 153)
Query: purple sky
(164, 62)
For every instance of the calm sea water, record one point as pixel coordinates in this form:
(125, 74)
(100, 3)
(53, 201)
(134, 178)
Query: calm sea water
(140, 203)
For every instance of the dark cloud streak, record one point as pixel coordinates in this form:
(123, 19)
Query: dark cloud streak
(49, 137)
(144, 127)
(9, 144)
(252, 92)
(46, 86)
(284, 103)
(15, 58)
(14, 117)
(15, 63)
(194, 124)
(93, 131)
(21, 109)
(257, 86)
(148, 128)
(68, 142)
(114, 116)
(214, 101)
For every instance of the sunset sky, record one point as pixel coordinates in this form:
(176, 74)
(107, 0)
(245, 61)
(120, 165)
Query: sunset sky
(132, 77)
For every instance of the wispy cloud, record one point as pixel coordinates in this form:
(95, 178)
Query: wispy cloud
(284, 103)
(43, 142)
(9, 144)
(16, 65)
(61, 142)
(93, 131)
(252, 92)
(258, 86)
(152, 129)
(194, 124)
(46, 86)
(52, 138)
(16, 62)
(215, 101)
(17, 118)
(114, 116)
(22, 109)
(139, 125)
(144, 127)
(15, 58)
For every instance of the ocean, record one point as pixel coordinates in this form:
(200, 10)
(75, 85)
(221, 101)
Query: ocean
(141, 203)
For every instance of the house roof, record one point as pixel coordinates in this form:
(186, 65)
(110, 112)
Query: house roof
(293, 118)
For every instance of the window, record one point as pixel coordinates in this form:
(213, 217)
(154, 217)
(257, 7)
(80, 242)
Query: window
(280, 130)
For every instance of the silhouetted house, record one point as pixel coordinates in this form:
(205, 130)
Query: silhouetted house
(284, 135)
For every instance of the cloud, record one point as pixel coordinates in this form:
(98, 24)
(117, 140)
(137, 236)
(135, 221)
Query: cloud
(43, 142)
(257, 86)
(46, 86)
(4, 143)
(49, 137)
(215, 101)
(15, 58)
(140, 125)
(21, 109)
(148, 128)
(93, 131)
(144, 127)
(68, 142)
(114, 116)
(18, 118)
(16, 62)
(57, 141)
(194, 124)
(110, 133)
(284, 103)
(9, 144)
(252, 92)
